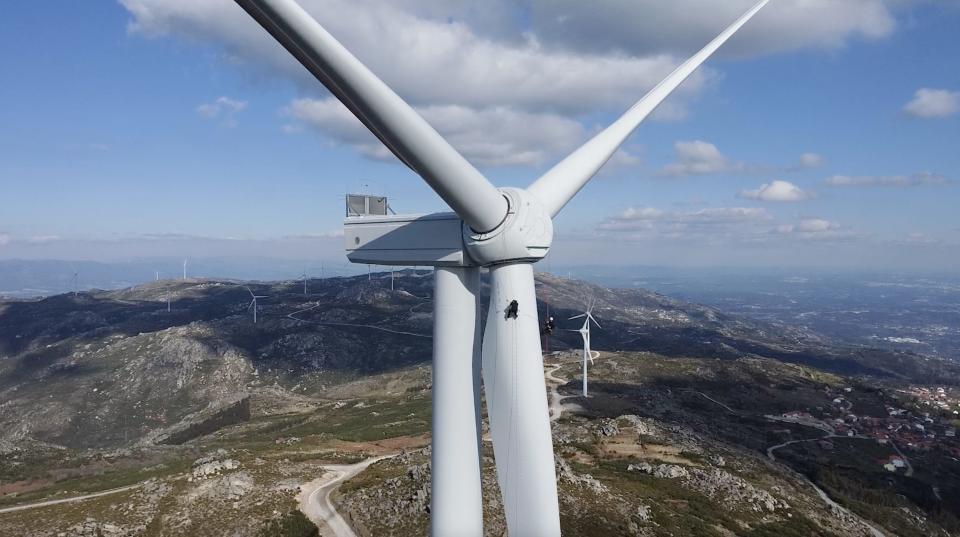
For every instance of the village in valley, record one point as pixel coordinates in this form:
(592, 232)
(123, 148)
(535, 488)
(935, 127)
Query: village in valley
(917, 419)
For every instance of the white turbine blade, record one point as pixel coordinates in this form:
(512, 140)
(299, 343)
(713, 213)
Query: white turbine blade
(582, 315)
(517, 405)
(590, 316)
(387, 116)
(247, 287)
(562, 182)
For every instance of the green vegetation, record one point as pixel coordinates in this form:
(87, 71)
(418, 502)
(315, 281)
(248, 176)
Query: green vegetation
(851, 473)
(87, 475)
(292, 524)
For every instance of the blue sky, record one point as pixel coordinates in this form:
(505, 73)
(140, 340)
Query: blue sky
(176, 128)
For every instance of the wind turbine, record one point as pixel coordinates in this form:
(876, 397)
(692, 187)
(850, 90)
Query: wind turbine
(253, 303)
(184, 269)
(584, 330)
(504, 230)
(304, 282)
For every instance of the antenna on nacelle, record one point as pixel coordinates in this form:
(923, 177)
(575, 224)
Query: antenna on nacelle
(366, 205)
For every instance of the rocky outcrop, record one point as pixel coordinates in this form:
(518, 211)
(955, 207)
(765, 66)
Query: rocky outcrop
(720, 485)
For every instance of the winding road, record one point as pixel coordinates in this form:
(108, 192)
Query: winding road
(314, 497)
(555, 399)
(294, 317)
(553, 382)
(874, 531)
(836, 507)
(46, 503)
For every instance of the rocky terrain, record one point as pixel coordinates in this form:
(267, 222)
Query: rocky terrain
(218, 420)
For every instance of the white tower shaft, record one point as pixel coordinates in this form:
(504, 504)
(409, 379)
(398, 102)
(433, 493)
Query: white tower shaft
(586, 354)
(456, 504)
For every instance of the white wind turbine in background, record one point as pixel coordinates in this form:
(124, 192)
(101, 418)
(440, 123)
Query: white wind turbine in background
(184, 269)
(584, 330)
(253, 303)
(505, 230)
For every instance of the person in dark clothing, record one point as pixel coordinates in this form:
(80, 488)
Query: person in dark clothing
(512, 309)
(549, 326)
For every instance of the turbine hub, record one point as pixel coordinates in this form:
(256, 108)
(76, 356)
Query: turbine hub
(525, 235)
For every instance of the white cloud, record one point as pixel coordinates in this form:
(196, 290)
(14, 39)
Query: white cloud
(42, 239)
(920, 238)
(711, 223)
(815, 225)
(4, 239)
(491, 136)
(917, 179)
(681, 26)
(700, 158)
(223, 107)
(332, 234)
(721, 225)
(810, 160)
(816, 229)
(777, 191)
(542, 61)
(409, 52)
(933, 103)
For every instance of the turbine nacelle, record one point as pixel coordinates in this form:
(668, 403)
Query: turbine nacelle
(444, 240)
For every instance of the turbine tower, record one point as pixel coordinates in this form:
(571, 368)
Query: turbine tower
(505, 230)
(184, 269)
(584, 330)
(253, 303)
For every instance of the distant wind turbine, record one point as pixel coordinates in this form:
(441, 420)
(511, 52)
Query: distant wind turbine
(304, 283)
(184, 269)
(253, 303)
(584, 330)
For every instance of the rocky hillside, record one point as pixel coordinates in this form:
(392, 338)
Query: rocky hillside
(216, 420)
(107, 369)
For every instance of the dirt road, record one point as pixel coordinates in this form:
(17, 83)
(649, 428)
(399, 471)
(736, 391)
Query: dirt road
(67, 500)
(314, 497)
